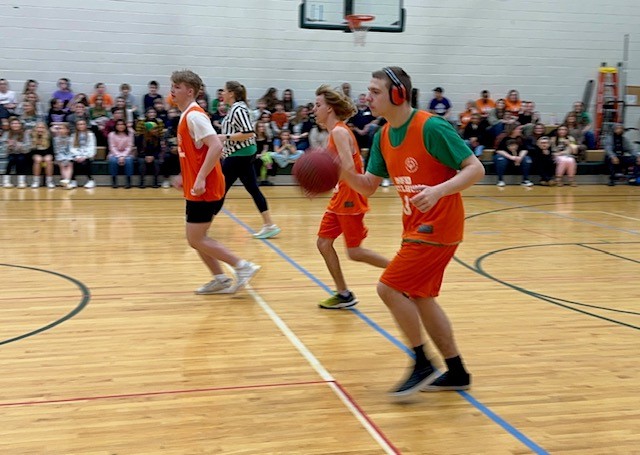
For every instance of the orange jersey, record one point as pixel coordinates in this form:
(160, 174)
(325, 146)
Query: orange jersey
(513, 107)
(485, 105)
(410, 165)
(346, 200)
(191, 160)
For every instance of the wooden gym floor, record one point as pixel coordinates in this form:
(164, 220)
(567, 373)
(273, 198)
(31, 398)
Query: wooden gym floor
(104, 348)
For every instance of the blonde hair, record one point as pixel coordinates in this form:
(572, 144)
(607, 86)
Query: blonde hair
(339, 102)
(40, 142)
(188, 78)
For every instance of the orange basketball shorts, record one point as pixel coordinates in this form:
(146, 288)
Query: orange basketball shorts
(417, 269)
(352, 226)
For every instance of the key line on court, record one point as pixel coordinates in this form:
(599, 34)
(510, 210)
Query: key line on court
(482, 408)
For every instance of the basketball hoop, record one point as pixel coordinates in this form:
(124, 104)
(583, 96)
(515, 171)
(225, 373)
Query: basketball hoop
(359, 27)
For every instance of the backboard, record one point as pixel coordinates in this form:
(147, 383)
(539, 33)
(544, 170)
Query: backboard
(330, 14)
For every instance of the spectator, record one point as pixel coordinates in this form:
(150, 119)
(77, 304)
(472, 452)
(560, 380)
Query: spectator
(101, 90)
(130, 100)
(8, 100)
(218, 116)
(56, 113)
(42, 155)
(62, 153)
(161, 112)
(545, 160)
(169, 161)
(151, 96)
(584, 121)
(279, 119)
(264, 162)
(497, 119)
(29, 117)
(271, 98)
(564, 150)
(288, 102)
(32, 98)
(261, 107)
(465, 116)
(149, 131)
(577, 133)
(513, 103)
(64, 92)
(15, 144)
(621, 156)
(485, 104)
(217, 100)
(80, 112)
(318, 137)
(285, 152)
(30, 86)
(301, 127)
(528, 117)
(440, 105)
(475, 134)
(203, 95)
(83, 150)
(120, 153)
(346, 89)
(511, 152)
(360, 124)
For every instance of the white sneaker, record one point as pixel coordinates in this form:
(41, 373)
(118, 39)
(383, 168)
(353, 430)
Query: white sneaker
(166, 184)
(50, 183)
(245, 273)
(72, 184)
(385, 183)
(35, 183)
(267, 232)
(527, 183)
(22, 181)
(216, 286)
(501, 183)
(90, 184)
(64, 182)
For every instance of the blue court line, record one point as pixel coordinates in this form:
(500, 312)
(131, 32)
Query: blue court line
(468, 397)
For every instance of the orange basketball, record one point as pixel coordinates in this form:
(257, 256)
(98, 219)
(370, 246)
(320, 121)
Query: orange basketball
(317, 171)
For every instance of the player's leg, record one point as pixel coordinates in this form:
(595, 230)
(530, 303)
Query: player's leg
(247, 175)
(355, 232)
(327, 233)
(406, 314)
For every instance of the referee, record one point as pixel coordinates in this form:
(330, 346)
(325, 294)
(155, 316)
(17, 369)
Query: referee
(240, 148)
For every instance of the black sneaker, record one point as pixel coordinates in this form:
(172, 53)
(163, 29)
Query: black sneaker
(449, 382)
(416, 381)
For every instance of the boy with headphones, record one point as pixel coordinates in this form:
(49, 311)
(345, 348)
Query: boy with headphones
(429, 164)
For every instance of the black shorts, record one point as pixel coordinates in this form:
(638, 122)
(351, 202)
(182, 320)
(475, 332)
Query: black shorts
(202, 211)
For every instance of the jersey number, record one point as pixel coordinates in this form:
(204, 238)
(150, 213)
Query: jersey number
(406, 206)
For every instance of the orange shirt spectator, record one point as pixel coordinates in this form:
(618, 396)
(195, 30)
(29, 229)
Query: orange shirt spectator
(101, 90)
(513, 103)
(485, 104)
(465, 116)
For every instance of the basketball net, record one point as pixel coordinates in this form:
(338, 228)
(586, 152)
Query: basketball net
(358, 24)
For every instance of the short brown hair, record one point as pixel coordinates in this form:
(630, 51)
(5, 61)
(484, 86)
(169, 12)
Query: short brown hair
(188, 78)
(402, 76)
(339, 102)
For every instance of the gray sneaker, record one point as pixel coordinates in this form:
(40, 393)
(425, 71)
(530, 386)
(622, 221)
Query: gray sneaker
(245, 273)
(216, 286)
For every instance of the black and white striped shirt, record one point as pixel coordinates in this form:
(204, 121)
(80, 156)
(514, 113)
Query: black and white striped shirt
(238, 120)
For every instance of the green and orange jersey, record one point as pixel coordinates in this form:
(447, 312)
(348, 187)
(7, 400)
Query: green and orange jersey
(346, 200)
(425, 151)
(192, 157)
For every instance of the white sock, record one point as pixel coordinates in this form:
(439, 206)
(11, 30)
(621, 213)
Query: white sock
(220, 277)
(241, 263)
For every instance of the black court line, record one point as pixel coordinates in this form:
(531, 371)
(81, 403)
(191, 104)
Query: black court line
(86, 296)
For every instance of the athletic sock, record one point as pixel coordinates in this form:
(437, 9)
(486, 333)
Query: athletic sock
(455, 366)
(241, 263)
(345, 294)
(421, 358)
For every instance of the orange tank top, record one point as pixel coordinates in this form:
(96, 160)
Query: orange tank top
(410, 165)
(346, 200)
(191, 160)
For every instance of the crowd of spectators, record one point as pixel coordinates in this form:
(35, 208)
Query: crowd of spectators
(68, 128)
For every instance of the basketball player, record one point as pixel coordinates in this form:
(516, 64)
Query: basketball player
(429, 164)
(346, 209)
(199, 150)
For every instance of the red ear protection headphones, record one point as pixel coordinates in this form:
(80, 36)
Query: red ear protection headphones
(397, 91)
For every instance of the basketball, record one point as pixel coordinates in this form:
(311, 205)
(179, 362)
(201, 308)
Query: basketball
(317, 171)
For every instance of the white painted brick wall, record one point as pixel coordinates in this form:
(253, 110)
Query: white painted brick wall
(547, 49)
